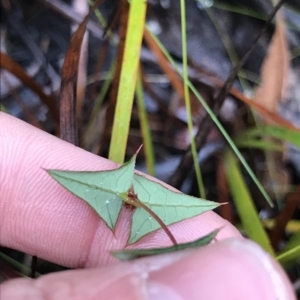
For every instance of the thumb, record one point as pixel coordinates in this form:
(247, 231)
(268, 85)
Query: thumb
(231, 269)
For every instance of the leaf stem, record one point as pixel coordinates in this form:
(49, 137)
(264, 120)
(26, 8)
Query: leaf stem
(132, 199)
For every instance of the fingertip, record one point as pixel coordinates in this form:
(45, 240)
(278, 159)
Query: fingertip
(54, 224)
(227, 270)
(230, 269)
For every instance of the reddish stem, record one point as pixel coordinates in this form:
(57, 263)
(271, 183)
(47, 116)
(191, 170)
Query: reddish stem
(134, 201)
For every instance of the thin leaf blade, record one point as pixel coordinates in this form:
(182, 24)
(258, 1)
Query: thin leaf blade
(285, 134)
(294, 241)
(244, 203)
(289, 256)
(128, 76)
(258, 144)
(138, 253)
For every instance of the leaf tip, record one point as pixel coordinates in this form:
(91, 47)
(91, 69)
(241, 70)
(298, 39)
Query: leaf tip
(139, 149)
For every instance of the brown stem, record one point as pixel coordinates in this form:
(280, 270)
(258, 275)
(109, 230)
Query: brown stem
(134, 201)
(33, 266)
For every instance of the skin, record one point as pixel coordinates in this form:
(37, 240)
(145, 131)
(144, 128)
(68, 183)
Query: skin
(41, 218)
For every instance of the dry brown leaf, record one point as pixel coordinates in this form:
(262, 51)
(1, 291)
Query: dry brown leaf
(285, 215)
(274, 69)
(31, 118)
(121, 13)
(69, 79)
(268, 115)
(82, 8)
(223, 193)
(173, 76)
(7, 63)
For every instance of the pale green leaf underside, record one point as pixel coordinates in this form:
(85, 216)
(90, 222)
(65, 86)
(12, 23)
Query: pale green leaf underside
(101, 190)
(105, 192)
(169, 206)
(137, 253)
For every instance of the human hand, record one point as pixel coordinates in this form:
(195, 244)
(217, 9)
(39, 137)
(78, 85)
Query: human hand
(41, 218)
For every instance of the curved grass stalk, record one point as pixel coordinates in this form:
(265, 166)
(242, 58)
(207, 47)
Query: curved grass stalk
(216, 121)
(145, 128)
(244, 203)
(128, 76)
(188, 101)
(100, 97)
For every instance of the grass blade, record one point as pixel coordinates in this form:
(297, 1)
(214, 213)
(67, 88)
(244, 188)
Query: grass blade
(145, 128)
(285, 134)
(216, 121)
(128, 78)
(289, 256)
(294, 241)
(17, 264)
(244, 203)
(137, 253)
(188, 101)
(258, 144)
(14, 68)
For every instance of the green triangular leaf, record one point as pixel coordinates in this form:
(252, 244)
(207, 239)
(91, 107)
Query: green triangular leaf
(137, 253)
(169, 206)
(101, 190)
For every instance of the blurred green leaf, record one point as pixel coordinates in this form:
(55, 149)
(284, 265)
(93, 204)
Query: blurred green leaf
(145, 127)
(292, 226)
(285, 134)
(244, 204)
(137, 253)
(294, 241)
(289, 256)
(215, 119)
(257, 144)
(18, 265)
(3, 108)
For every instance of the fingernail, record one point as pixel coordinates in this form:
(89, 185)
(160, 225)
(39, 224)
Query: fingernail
(231, 269)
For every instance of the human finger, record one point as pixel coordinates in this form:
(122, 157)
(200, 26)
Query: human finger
(41, 218)
(231, 269)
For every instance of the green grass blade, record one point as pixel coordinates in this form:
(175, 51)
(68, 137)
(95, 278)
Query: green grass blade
(244, 10)
(294, 241)
(3, 108)
(285, 134)
(289, 256)
(217, 122)
(233, 56)
(244, 204)
(100, 98)
(188, 101)
(145, 128)
(128, 78)
(18, 265)
(239, 9)
(101, 19)
(295, 52)
(258, 144)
